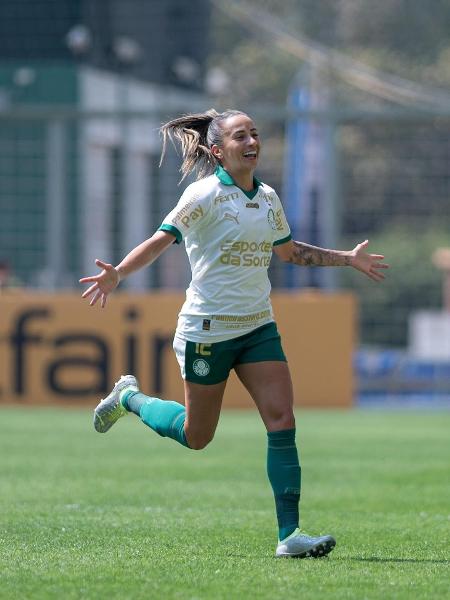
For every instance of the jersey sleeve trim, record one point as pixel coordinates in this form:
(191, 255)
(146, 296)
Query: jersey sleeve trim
(173, 231)
(283, 240)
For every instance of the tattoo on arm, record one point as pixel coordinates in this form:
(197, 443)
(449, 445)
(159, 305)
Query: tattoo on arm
(307, 255)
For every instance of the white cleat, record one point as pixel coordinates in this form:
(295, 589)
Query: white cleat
(299, 545)
(110, 409)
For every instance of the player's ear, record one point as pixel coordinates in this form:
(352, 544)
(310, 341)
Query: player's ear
(217, 152)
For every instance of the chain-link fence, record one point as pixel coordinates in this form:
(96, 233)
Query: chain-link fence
(75, 186)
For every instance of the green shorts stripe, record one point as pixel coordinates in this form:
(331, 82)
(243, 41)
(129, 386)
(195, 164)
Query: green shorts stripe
(211, 363)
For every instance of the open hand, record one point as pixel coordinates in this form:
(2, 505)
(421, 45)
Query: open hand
(102, 284)
(369, 264)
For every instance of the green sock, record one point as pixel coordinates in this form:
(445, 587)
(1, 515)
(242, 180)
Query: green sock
(284, 473)
(133, 401)
(163, 416)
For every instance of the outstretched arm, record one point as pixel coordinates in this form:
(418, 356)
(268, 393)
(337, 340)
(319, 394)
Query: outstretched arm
(303, 254)
(110, 277)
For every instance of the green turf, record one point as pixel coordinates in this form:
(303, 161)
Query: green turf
(131, 515)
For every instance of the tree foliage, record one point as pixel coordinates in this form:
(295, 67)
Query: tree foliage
(404, 37)
(412, 278)
(393, 175)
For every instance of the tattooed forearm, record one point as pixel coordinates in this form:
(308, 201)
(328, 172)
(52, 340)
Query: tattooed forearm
(307, 255)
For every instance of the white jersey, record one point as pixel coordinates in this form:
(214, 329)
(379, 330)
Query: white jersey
(229, 238)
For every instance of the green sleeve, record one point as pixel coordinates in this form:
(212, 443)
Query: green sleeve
(283, 240)
(173, 231)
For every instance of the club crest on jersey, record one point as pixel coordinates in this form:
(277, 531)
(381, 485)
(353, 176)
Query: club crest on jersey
(271, 219)
(201, 367)
(228, 216)
(269, 198)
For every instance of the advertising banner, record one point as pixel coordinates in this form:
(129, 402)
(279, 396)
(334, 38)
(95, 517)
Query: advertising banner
(57, 350)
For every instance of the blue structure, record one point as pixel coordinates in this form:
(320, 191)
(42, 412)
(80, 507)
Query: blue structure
(308, 181)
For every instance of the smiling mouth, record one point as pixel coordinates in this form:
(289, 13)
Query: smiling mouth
(250, 154)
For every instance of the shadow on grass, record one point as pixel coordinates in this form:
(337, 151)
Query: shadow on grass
(443, 561)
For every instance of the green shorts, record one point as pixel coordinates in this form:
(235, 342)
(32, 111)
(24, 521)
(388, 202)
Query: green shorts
(211, 363)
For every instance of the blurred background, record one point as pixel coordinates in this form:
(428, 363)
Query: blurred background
(353, 103)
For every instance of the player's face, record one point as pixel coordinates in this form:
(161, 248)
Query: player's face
(240, 147)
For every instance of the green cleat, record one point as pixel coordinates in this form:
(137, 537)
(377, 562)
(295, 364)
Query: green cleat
(110, 409)
(299, 545)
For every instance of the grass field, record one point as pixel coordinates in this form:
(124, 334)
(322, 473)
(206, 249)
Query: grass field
(131, 515)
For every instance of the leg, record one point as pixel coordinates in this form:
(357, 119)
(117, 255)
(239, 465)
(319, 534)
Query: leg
(269, 384)
(192, 425)
(203, 404)
(205, 369)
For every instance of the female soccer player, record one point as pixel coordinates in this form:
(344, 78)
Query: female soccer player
(230, 223)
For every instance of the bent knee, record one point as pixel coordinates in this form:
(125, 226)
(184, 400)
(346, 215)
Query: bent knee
(198, 441)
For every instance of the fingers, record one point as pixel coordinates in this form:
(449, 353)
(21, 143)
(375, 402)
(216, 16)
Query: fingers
(98, 294)
(370, 264)
(88, 279)
(94, 290)
(95, 297)
(372, 270)
(103, 265)
(375, 275)
(90, 290)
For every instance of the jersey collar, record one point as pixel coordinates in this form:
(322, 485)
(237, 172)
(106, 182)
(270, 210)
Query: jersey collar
(225, 178)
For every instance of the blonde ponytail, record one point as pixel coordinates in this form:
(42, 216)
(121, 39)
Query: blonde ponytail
(196, 133)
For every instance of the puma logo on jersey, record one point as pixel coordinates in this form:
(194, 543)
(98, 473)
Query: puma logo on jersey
(230, 217)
